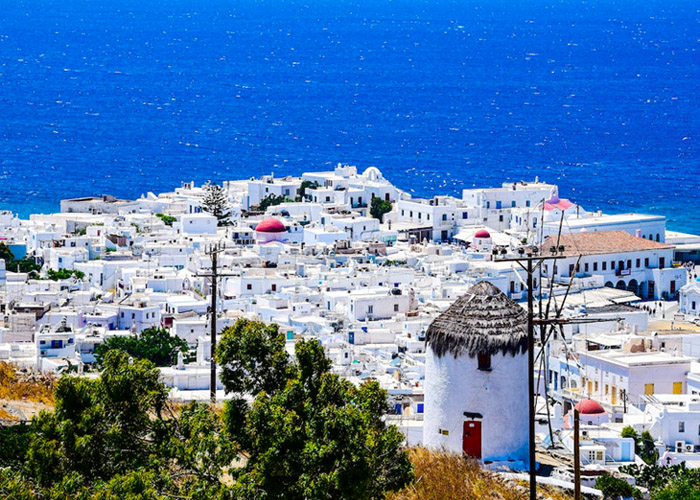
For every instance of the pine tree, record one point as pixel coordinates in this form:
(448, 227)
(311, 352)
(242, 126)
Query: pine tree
(216, 203)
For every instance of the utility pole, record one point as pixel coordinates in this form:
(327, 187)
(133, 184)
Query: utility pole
(531, 261)
(213, 250)
(577, 458)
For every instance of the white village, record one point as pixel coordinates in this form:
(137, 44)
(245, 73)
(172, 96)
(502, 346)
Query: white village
(505, 316)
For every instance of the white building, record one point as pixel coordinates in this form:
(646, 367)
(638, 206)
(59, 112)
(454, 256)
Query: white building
(476, 378)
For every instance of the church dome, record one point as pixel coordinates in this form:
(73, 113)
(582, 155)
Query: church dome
(270, 225)
(482, 233)
(589, 407)
(484, 320)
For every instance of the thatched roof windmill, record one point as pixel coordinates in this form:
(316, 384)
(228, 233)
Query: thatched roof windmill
(483, 321)
(478, 406)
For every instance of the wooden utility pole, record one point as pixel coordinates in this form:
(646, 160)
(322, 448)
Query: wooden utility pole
(577, 458)
(531, 261)
(213, 251)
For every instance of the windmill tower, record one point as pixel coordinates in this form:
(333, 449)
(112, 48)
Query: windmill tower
(476, 378)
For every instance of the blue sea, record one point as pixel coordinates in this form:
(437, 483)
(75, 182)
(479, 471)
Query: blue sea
(126, 96)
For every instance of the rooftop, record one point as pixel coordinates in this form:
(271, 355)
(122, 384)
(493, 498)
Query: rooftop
(603, 242)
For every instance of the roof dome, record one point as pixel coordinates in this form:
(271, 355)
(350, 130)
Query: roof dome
(484, 320)
(270, 225)
(589, 407)
(482, 233)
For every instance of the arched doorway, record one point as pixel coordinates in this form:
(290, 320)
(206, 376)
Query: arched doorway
(621, 285)
(633, 287)
(609, 284)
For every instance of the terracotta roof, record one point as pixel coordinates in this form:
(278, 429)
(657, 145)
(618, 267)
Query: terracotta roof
(602, 242)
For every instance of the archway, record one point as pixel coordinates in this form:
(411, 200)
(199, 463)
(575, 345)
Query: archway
(609, 284)
(621, 285)
(633, 287)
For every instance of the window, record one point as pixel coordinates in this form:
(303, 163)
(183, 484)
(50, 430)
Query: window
(638, 263)
(403, 212)
(646, 262)
(370, 309)
(693, 305)
(657, 236)
(488, 204)
(465, 215)
(444, 216)
(612, 265)
(649, 389)
(595, 266)
(420, 215)
(500, 218)
(498, 205)
(249, 286)
(605, 266)
(484, 360)
(678, 388)
(681, 426)
(527, 203)
(585, 267)
(512, 203)
(396, 308)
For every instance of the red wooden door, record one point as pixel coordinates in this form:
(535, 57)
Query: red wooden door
(471, 438)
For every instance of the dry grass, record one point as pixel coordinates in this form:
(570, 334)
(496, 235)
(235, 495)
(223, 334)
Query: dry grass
(7, 416)
(443, 476)
(20, 385)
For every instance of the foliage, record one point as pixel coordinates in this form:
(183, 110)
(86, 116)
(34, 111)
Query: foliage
(64, 274)
(644, 444)
(153, 344)
(100, 427)
(321, 437)
(313, 435)
(116, 437)
(30, 386)
(441, 476)
(656, 478)
(15, 440)
(380, 207)
(681, 489)
(272, 201)
(304, 186)
(216, 203)
(23, 265)
(615, 487)
(167, 219)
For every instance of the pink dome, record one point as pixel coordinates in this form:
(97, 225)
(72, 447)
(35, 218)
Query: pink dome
(270, 225)
(589, 407)
(482, 233)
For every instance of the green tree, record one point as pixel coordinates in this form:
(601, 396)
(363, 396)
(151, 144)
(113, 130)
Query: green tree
(23, 265)
(308, 433)
(153, 344)
(682, 489)
(304, 186)
(5, 253)
(614, 488)
(216, 203)
(100, 427)
(64, 274)
(380, 207)
(272, 201)
(167, 219)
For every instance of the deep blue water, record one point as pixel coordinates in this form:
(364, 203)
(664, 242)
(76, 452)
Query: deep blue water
(127, 96)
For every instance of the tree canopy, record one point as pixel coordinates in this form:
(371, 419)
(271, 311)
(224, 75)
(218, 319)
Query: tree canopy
(378, 208)
(154, 344)
(216, 203)
(23, 265)
(293, 430)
